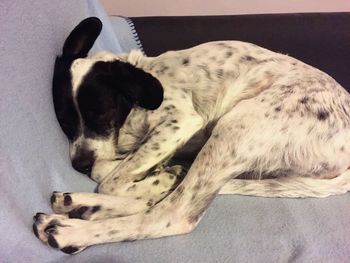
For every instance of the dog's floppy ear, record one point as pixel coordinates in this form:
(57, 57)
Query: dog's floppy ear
(137, 86)
(81, 39)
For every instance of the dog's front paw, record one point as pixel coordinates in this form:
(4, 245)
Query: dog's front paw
(64, 203)
(55, 230)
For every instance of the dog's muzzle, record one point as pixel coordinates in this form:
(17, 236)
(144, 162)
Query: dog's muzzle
(83, 162)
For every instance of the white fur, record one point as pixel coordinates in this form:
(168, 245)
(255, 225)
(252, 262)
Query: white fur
(252, 111)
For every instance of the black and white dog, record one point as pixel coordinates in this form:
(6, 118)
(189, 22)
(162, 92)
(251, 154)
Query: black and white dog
(258, 123)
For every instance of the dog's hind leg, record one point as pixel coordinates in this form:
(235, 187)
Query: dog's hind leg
(292, 187)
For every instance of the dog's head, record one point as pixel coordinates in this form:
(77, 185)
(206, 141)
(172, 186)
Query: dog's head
(93, 96)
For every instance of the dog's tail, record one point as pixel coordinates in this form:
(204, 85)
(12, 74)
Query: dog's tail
(291, 187)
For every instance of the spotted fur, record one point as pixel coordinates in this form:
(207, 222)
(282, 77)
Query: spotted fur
(257, 123)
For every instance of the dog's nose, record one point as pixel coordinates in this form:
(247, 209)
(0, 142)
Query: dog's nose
(83, 163)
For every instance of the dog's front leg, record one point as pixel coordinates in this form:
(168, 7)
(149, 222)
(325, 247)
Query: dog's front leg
(139, 197)
(178, 213)
(162, 143)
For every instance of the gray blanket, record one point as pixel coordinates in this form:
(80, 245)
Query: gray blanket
(34, 162)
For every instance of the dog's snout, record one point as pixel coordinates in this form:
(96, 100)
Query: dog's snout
(83, 162)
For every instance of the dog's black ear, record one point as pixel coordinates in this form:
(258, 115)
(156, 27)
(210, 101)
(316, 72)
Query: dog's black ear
(138, 86)
(81, 39)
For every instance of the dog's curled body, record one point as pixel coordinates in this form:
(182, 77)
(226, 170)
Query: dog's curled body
(294, 124)
(257, 122)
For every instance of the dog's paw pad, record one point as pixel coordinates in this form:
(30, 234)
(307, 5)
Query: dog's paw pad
(61, 203)
(67, 201)
(67, 249)
(45, 225)
(72, 250)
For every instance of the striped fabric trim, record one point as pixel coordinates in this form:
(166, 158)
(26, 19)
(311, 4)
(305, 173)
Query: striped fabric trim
(134, 33)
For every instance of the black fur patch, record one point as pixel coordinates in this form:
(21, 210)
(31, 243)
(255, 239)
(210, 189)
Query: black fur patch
(322, 115)
(52, 241)
(156, 182)
(304, 100)
(95, 208)
(37, 217)
(66, 113)
(69, 249)
(53, 198)
(78, 213)
(185, 61)
(67, 200)
(35, 230)
(220, 73)
(113, 232)
(248, 59)
(277, 109)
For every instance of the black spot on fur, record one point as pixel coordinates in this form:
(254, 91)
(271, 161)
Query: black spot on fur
(175, 128)
(156, 182)
(53, 198)
(168, 225)
(247, 59)
(37, 217)
(155, 146)
(113, 232)
(69, 249)
(129, 240)
(180, 189)
(185, 61)
(197, 187)
(52, 241)
(277, 109)
(95, 208)
(304, 100)
(150, 202)
(35, 230)
(193, 196)
(78, 212)
(228, 54)
(169, 107)
(67, 200)
(131, 188)
(148, 211)
(220, 73)
(322, 115)
(174, 121)
(163, 69)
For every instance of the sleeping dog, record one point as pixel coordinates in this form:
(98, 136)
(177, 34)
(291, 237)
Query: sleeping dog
(256, 123)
